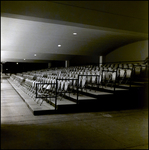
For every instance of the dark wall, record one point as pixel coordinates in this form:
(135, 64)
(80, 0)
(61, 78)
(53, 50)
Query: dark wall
(84, 60)
(57, 64)
(11, 67)
(131, 52)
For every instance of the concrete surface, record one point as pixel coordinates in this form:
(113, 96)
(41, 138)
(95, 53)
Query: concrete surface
(20, 129)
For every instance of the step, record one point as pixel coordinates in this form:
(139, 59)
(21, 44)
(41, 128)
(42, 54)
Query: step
(35, 107)
(95, 93)
(61, 101)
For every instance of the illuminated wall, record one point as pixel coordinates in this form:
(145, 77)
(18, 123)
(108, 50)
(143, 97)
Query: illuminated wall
(131, 52)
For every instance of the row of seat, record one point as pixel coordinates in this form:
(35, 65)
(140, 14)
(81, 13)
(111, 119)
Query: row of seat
(51, 81)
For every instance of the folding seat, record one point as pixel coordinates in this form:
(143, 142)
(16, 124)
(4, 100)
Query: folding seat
(45, 80)
(53, 86)
(48, 89)
(103, 79)
(59, 85)
(89, 78)
(93, 78)
(125, 66)
(11, 78)
(83, 82)
(66, 87)
(37, 79)
(137, 70)
(16, 80)
(108, 78)
(130, 66)
(110, 69)
(120, 66)
(21, 81)
(72, 83)
(136, 64)
(96, 78)
(116, 66)
(33, 90)
(97, 67)
(121, 75)
(104, 65)
(112, 78)
(112, 66)
(80, 79)
(99, 79)
(109, 65)
(27, 85)
(143, 69)
(128, 74)
(30, 83)
(40, 92)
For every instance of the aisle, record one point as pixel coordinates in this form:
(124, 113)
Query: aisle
(12, 104)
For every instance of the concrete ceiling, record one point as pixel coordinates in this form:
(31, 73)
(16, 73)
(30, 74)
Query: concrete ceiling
(36, 27)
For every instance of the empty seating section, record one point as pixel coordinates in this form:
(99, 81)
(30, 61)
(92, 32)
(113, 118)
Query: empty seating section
(56, 82)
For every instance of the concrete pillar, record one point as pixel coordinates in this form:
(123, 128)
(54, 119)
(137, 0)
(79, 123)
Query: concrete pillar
(1, 71)
(100, 60)
(66, 63)
(49, 65)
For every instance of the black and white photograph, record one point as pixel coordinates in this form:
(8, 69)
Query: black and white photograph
(74, 74)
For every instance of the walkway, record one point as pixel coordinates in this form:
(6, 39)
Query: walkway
(20, 129)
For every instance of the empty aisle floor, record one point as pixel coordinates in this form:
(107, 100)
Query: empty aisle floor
(20, 129)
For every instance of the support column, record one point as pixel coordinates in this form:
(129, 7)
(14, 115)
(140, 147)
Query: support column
(49, 65)
(1, 71)
(100, 60)
(66, 63)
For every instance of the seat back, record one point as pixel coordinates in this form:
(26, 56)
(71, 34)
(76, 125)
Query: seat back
(114, 76)
(137, 70)
(122, 73)
(128, 73)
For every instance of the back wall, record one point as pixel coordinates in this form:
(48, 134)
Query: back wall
(131, 52)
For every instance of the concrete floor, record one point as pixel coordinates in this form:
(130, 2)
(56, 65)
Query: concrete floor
(20, 129)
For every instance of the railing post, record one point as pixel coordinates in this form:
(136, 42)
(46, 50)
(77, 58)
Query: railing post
(56, 96)
(115, 82)
(36, 89)
(77, 88)
(131, 78)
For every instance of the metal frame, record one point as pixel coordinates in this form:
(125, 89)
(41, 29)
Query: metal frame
(89, 75)
(47, 96)
(68, 92)
(115, 78)
(132, 73)
(56, 92)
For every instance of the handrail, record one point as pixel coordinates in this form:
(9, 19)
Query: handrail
(46, 96)
(112, 72)
(132, 73)
(66, 91)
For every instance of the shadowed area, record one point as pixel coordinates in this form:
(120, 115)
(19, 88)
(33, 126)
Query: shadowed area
(20, 129)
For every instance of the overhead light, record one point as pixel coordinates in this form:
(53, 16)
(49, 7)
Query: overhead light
(59, 45)
(17, 63)
(74, 33)
(24, 59)
(35, 55)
